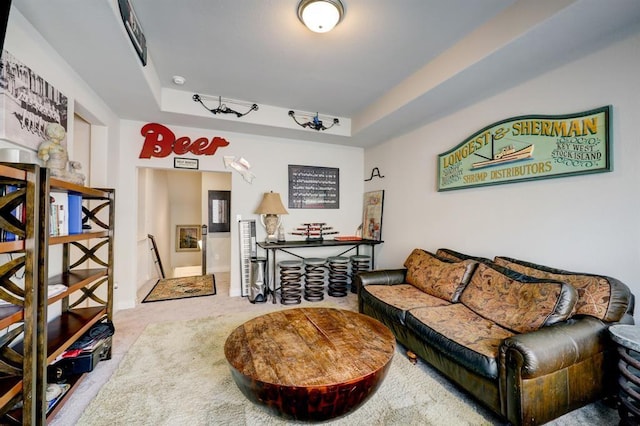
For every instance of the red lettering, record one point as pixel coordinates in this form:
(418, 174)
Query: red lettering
(216, 143)
(199, 145)
(181, 145)
(159, 142)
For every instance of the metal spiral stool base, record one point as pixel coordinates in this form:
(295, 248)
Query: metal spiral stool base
(338, 276)
(314, 279)
(628, 339)
(359, 263)
(629, 382)
(290, 282)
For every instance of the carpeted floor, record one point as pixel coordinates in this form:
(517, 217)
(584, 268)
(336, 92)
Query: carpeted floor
(131, 325)
(196, 387)
(182, 287)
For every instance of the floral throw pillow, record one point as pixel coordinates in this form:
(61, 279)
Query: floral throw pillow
(518, 302)
(438, 277)
(598, 296)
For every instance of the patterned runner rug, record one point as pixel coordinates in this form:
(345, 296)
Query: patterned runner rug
(183, 287)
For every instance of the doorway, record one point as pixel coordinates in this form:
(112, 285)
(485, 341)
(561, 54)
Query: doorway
(169, 200)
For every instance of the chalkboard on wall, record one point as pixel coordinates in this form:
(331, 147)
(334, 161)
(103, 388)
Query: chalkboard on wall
(313, 187)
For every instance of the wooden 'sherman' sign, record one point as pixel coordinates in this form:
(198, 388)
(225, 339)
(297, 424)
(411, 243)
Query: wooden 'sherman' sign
(529, 147)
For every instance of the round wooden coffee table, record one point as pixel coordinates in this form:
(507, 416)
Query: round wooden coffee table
(310, 363)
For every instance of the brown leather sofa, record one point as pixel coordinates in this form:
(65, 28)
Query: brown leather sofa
(528, 341)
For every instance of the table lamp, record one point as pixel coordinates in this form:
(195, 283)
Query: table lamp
(270, 210)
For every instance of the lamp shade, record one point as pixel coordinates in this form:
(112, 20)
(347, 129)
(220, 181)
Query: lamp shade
(320, 16)
(271, 204)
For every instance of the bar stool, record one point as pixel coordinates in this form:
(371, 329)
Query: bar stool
(314, 279)
(359, 263)
(628, 339)
(290, 282)
(338, 275)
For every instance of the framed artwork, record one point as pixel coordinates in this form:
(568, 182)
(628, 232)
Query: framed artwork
(28, 103)
(219, 211)
(372, 215)
(313, 187)
(134, 29)
(187, 237)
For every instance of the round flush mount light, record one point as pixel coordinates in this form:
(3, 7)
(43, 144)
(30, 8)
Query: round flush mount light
(320, 16)
(178, 80)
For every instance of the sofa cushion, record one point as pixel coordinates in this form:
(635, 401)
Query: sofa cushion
(397, 299)
(461, 334)
(456, 256)
(598, 296)
(438, 277)
(450, 254)
(515, 301)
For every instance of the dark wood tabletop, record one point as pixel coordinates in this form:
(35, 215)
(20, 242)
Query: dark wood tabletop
(313, 353)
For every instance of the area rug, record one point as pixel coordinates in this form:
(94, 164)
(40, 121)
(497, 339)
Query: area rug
(176, 374)
(179, 288)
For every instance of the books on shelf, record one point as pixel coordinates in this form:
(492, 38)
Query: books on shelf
(59, 224)
(52, 290)
(55, 289)
(19, 212)
(75, 214)
(66, 214)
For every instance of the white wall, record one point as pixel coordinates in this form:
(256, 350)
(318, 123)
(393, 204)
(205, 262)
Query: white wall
(584, 223)
(218, 243)
(82, 146)
(28, 46)
(269, 158)
(184, 190)
(153, 217)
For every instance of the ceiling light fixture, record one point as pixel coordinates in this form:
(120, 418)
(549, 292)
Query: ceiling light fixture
(178, 80)
(320, 16)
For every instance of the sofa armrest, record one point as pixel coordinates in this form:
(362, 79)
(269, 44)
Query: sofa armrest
(555, 347)
(381, 277)
(548, 372)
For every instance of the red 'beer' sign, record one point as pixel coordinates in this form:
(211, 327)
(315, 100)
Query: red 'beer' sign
(159, 142)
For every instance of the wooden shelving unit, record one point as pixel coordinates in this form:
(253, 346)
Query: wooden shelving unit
(18, 316)
(87, 277)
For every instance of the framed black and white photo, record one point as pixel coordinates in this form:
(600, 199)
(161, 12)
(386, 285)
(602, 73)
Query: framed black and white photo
(28, 103)
(219, 211)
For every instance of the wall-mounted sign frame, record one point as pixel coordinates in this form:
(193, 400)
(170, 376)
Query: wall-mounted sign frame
(134, 30)
(529, 147)
(313, 187)
(185, 163)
